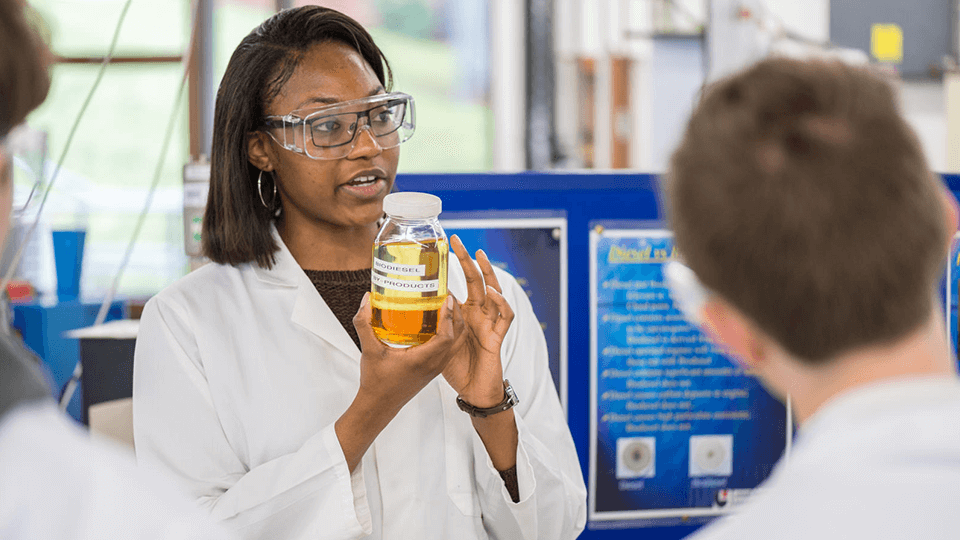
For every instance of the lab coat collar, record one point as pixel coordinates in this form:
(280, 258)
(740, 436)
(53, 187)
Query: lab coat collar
(309, 310)
(285, 269)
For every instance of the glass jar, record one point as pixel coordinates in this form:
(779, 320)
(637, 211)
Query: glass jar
(409, 278)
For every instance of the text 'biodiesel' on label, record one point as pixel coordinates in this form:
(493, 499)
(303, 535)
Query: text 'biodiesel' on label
(398, 269)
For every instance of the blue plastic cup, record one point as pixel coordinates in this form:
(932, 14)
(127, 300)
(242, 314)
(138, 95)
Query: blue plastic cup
(68, 258)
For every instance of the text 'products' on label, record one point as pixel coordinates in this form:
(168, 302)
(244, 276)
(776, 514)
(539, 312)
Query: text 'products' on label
(399, 269)
(432, 285)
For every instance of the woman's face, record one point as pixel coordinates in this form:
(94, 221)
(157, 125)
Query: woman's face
(335, 192)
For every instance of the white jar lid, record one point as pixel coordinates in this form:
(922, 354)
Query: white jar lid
(409, 204)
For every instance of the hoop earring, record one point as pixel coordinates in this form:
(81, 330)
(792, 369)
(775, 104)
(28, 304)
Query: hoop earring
(260, 192)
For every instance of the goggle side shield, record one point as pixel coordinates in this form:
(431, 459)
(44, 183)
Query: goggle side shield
(686, 290)
(26, 149)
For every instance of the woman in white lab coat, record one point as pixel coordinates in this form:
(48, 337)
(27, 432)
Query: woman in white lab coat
(258, 381)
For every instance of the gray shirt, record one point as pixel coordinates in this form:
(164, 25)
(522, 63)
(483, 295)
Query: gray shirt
(21, 381)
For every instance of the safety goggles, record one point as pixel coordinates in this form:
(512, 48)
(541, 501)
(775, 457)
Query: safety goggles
(330, 132)
(26, 148)
(689, 295)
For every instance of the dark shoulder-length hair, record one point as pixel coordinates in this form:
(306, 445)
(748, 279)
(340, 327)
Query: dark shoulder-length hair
(236, 227)
(24, 57)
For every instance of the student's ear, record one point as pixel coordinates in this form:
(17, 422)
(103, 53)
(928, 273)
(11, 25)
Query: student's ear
(733, 332)
(257, 151)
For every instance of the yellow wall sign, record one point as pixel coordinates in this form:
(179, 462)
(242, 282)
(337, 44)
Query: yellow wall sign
(886, 43)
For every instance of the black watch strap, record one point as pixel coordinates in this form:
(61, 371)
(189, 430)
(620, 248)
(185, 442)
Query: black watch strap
(509, 401)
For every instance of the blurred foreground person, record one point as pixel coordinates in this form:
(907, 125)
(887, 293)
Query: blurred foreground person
(815, 235)
(55, 483)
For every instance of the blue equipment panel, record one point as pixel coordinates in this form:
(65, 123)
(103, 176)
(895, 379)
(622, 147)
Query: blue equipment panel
(583, 198)
(43, 326)
(952, 277)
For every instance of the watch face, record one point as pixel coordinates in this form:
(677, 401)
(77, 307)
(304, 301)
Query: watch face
(511, 396)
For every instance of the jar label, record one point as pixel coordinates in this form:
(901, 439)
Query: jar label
(398, 269)
(432, 285)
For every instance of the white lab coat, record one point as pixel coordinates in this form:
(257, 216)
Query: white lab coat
(881, 461)
(58, 483)
(240, 374)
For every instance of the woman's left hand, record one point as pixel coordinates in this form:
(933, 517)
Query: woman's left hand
(475, 371)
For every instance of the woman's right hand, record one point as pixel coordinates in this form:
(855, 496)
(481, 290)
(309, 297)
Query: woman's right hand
(390, 377)
(394, 375)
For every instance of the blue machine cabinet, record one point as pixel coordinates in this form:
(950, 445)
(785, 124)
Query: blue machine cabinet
(43, 326)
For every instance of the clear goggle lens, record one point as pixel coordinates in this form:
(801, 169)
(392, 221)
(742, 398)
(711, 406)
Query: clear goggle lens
(330, 132)
(26, 149)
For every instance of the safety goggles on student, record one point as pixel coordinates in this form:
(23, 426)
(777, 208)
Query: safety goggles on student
(687, 292)
(26, 149)
(330, 132)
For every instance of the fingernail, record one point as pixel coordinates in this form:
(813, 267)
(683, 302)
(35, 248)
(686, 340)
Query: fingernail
(448, 303)
(366, 298)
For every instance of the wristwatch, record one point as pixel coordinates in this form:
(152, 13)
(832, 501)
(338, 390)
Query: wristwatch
(509, 400)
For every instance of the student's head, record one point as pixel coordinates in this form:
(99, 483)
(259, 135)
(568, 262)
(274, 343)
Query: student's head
(801, 198)
(273, 153)
(24, 83)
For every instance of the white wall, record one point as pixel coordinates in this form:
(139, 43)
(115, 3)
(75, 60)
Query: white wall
(507, 84)
(924, 106)
(589, 32)
(677, 75)
(810, 18)
(923, 102)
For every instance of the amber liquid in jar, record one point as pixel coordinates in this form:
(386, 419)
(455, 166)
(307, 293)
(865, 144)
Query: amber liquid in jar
(409, 287)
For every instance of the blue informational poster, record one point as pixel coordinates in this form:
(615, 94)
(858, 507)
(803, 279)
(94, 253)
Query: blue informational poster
(679, 433)
(534, 251)
(950, 295)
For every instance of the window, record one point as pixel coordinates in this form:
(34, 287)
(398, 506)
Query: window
(107, 173)
(438, 50)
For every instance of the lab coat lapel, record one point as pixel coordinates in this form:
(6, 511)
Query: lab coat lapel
(309, 309)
